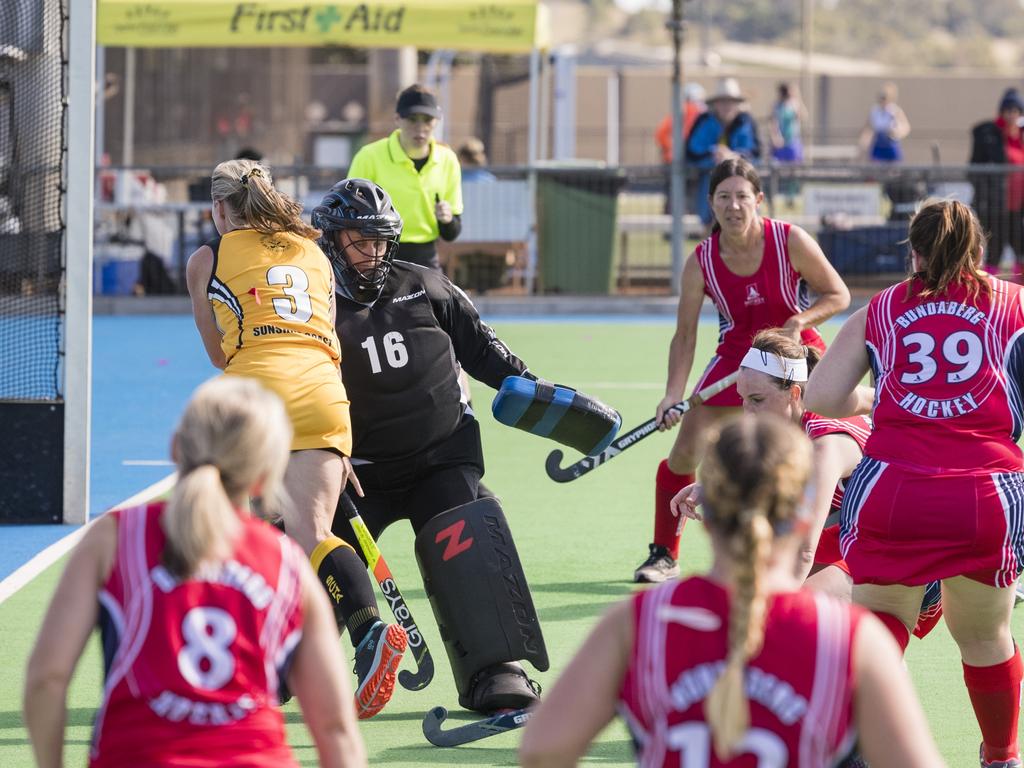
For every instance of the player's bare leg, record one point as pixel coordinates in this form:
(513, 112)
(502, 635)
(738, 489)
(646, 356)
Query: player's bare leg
(895, 605)
(313, 482)
(832, 581)
(978, 617)
(674, 474)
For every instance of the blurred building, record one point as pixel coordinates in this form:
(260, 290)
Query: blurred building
(196, 107)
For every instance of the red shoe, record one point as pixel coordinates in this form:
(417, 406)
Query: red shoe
(377, 659)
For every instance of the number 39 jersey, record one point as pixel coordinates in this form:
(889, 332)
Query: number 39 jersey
(192, 667)
(947, 369)
(799, 685)
(271, 289)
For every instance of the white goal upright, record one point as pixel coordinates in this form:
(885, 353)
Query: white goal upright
(46, 168)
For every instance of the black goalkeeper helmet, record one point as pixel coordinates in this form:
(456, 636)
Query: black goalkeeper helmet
(365, 210)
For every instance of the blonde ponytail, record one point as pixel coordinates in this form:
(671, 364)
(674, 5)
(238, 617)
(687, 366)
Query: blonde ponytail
(201, 523)
(754, 476)
(248, 190)
(232, 435)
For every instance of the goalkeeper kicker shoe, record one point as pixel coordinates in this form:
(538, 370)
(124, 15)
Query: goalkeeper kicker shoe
(1013, 762)
(377, 658)
(500, 686)
(658, 567)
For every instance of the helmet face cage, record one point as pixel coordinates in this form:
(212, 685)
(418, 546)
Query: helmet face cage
(365, 211)
(364, 283)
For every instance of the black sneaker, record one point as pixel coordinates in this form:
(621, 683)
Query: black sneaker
(377, 659)
(500, 686)
(283, 694)
(658, 567)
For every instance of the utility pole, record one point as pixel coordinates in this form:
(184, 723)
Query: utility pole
(806, 74)
(677, 189)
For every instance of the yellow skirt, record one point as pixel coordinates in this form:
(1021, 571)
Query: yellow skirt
(310, 385)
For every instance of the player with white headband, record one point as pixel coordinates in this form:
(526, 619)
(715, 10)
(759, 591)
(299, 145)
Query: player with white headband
(772, 378)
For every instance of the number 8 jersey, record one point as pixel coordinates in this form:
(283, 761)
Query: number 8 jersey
(947, 369)
(192, 667)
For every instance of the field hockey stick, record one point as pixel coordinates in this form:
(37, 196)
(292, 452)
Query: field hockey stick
(412, 681)
(634, 436)
(473, 731)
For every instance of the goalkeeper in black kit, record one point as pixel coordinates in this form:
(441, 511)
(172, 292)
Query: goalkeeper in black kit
(405, 333)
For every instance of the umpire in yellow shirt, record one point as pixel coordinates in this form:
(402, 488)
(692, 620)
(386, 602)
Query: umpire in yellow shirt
(422, 177)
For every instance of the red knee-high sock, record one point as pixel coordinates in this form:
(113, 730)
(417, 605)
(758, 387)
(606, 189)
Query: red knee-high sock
(995, 696)
(667, 528)
(896, 628)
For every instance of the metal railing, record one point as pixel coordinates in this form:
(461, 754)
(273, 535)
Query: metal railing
(598, 230)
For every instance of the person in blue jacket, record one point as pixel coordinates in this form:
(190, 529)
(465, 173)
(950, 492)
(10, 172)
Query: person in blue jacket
(725, 130)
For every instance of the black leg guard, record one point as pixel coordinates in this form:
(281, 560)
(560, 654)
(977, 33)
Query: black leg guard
(482, 603)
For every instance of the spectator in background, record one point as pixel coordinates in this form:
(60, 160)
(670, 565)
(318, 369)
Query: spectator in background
(998, 198)
(886, 127)
(724, 131)
(693, 107)
(785, 128)
(787, 118)
(474, 161)
(422, 177)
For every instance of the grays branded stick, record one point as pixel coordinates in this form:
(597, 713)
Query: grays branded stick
(412, 681)
(634, 436)
(474, 731)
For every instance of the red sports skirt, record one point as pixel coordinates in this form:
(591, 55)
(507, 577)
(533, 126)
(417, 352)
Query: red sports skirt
(718, 369)
(827, 551)
(904, 526)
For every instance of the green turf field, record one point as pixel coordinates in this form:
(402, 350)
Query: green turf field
(579, 543)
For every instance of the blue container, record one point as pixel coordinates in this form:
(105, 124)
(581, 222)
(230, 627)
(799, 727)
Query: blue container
(115, 277)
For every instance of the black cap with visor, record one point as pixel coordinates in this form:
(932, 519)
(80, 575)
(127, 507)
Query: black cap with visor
(416, 101)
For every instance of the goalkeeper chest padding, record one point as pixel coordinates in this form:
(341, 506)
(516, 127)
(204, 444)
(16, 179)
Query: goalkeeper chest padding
(558, 412)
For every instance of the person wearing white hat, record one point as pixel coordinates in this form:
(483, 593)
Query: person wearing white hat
(726, 130)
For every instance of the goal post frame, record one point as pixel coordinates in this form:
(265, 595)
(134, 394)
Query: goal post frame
(78, 202)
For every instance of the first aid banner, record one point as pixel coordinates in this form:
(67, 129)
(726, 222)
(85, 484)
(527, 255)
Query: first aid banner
(509, 26)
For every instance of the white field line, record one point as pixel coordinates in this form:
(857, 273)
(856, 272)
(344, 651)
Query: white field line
(58, 549)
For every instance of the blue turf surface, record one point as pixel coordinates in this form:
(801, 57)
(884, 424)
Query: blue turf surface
(143, 370)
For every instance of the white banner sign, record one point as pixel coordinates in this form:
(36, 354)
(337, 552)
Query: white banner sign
(851, 199)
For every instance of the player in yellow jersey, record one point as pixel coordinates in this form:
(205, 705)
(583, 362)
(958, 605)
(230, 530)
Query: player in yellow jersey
(263, 300)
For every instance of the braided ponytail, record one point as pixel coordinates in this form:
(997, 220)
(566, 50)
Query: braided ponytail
(754, 477)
